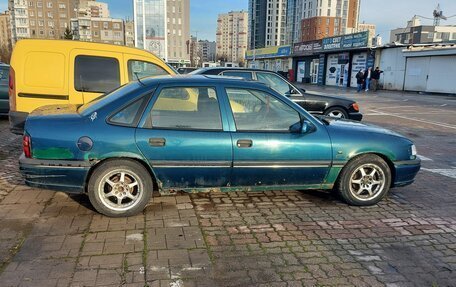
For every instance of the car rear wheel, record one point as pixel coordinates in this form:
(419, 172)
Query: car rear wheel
(365, 180)
(120, 188)
(336, 113)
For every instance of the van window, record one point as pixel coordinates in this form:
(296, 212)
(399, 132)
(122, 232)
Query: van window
(141, 69)
(96, 74)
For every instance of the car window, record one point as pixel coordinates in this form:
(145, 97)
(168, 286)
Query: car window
(140, 69)
(96, 74)
(4, 72)
(275, 82)
(261, 111)
(241, 74)
(186, 108)
(129, 114)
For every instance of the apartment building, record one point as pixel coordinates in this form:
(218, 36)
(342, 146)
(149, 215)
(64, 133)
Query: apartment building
(163, 27)
(416, 33)
(129, 27)
(207, 51)
(44, 19)
(232, 36)
(5, 31)
(93, 9)
(100, 30)
(326, 18)
(267, 23)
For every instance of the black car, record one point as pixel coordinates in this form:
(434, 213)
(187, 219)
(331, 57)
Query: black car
(186, 70)
(4, 98)
(316, 104)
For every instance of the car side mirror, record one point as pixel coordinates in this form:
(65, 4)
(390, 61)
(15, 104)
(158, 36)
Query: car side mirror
(307, 127)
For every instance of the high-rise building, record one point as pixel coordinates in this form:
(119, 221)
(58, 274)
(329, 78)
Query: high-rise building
(207, 51)
(163, 27)
(129, 33)
(326, 18)
(5, 31)
(232, 34)
(41, 19)
(100, 30)
(267, 23)
(93, 9)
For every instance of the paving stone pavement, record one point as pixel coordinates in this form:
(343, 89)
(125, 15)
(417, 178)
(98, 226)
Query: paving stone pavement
(274, 238)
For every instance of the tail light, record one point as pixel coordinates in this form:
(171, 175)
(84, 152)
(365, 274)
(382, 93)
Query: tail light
(27, 146)
(12, 89)
(355, 107)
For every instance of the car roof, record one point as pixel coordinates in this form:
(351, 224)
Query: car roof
(4, 65)
(206, 69)
(200, 79)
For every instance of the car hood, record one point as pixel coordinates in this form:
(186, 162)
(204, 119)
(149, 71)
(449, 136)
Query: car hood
(349, 126)
(55, 110)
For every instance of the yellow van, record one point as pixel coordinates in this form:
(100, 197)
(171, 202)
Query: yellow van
(47, 72)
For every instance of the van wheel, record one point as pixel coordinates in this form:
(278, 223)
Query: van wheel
(120, 188)
(364, 181)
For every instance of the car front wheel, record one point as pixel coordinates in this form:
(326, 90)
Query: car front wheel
(336, 113)
(120, 188)
(365, 180)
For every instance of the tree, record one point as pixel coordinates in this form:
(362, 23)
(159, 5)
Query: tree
(68, 35)
(5, 53)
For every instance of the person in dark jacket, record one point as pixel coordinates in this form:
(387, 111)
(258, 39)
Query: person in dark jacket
(360, 80)
(375, 78)
(367, 78)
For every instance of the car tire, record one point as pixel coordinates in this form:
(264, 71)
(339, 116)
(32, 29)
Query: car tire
(120, 188)
(336, 112)
(364, 181)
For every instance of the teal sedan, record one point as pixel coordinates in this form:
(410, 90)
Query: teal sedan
(206, 133)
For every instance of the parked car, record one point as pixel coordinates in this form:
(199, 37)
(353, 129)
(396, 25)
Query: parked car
(151, 135)
(46, 72)
(186, 70)
(332, 106)
(4, 101)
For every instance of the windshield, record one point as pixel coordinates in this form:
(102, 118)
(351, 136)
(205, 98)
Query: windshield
(104, 99)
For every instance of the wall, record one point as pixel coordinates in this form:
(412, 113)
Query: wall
(392, 63)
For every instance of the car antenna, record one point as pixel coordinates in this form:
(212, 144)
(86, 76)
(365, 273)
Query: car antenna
(139, 80)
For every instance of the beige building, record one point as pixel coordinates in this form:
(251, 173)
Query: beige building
(178, 29)
(93, 9)
(129, 27)
(5, 31)
(43, 19)
(101, 30)
(232, 36)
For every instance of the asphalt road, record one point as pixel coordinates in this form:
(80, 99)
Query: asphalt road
(276, 238)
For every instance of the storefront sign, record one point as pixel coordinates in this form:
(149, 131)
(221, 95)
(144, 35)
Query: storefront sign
(269, 52)
(307, 48)
(350, 41)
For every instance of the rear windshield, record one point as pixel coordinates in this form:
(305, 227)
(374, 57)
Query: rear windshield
(107, 98)
(4, 72)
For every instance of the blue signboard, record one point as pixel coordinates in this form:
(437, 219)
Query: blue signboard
(350, 41)
(321, 70)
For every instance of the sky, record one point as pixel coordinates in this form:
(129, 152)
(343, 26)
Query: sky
(386, 14)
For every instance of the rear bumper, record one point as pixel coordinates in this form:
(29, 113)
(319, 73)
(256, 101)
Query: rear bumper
(66, 176)
(406, 172)
(17, 122)
(356, 116)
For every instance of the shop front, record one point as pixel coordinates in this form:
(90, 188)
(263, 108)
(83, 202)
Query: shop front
(277, 59)
(306, 61)
(332, 61)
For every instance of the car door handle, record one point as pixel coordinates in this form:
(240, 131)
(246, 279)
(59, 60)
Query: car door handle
(157, 142)
(244, 143)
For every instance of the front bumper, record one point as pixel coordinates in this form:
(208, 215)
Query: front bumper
(17, 122)
(4, 107)
(61, 175)
(356, 116)
(406, 171)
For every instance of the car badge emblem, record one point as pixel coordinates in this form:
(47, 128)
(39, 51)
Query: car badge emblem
(93, 116)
